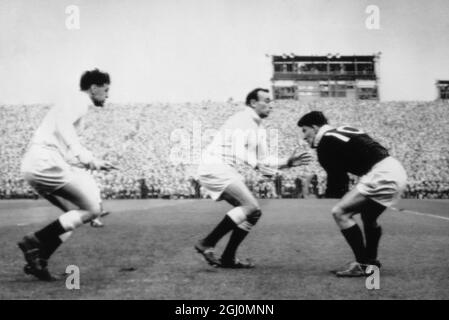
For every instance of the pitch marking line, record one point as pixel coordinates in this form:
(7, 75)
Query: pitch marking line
(421, 214)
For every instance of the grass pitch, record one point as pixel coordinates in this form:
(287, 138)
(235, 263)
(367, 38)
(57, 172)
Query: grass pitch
(146, 252)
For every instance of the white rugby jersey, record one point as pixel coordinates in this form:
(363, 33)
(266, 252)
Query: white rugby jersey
(242, 139)
(59, 127)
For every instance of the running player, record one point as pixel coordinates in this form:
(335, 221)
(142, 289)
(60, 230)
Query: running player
(241, 140)
(55, 166)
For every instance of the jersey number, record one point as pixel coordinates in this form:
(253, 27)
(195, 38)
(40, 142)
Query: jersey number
(345, 129)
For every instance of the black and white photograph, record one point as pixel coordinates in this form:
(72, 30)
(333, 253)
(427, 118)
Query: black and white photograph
(224, 155)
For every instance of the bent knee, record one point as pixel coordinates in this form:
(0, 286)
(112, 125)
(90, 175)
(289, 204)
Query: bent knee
(254, 216)
(253, 211)
(257, 213)
(253, 208)
(339, 214)
(337, 211)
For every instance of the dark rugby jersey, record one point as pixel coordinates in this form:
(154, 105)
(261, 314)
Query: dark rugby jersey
(344, 150)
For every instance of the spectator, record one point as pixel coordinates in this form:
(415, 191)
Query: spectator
(140, 142)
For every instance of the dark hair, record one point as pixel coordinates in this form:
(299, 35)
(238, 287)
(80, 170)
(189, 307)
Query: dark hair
(253, 95)
(312, 118)
(94, 77)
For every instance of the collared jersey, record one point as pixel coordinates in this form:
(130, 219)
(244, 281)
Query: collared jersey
(346, 150)
(242, 139)
(64, 113)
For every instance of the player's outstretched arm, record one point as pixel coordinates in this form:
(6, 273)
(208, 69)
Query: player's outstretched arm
(105, 165)
(297, 159)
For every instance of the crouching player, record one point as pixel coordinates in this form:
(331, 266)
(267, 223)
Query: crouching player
(51, 166)
(346, 150)
(240, 141)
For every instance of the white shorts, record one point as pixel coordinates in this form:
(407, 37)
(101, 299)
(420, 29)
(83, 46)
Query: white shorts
(385, 182)
(215, 177)
(45, 169)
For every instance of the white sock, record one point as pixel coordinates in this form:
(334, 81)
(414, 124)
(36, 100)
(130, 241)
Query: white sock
(238, 215)
(65, 236)
(72, 219)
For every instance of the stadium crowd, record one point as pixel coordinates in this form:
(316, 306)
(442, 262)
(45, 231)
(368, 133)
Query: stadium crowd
(157, 146)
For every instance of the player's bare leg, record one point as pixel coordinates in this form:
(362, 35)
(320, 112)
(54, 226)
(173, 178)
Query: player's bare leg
(64, 205)
(353, 202)
(241, 197)
(38, 247)
(58, 202)
(239, 220)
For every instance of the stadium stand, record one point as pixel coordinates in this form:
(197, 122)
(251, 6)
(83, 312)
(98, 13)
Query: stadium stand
(143, 139)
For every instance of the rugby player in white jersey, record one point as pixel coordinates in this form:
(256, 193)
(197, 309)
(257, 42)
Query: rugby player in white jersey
(240, 141)
(56, 165)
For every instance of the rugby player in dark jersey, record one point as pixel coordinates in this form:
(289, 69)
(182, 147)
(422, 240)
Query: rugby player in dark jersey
(346, 150)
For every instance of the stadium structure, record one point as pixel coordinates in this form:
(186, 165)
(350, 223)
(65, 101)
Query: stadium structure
(331, 76)
(443, 89)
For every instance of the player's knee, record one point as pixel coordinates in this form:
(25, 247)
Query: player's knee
(253, 207)
(339, 214)
(254, 216)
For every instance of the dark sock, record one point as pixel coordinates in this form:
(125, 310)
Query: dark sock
(372, 236)
(354, 237)
(226, 225)
(50, 248)
(237, 236)
(49, 237)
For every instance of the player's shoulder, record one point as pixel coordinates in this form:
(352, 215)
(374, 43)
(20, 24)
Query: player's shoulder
(331, 134)
(77, 103)
(241, 114)
(343, 133)
(332, 137)
(240, 118)
(349, 129)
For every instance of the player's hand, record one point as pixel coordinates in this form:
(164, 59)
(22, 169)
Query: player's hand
(105, 165)
(299, 158)
(87, 160)
(267, 171)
